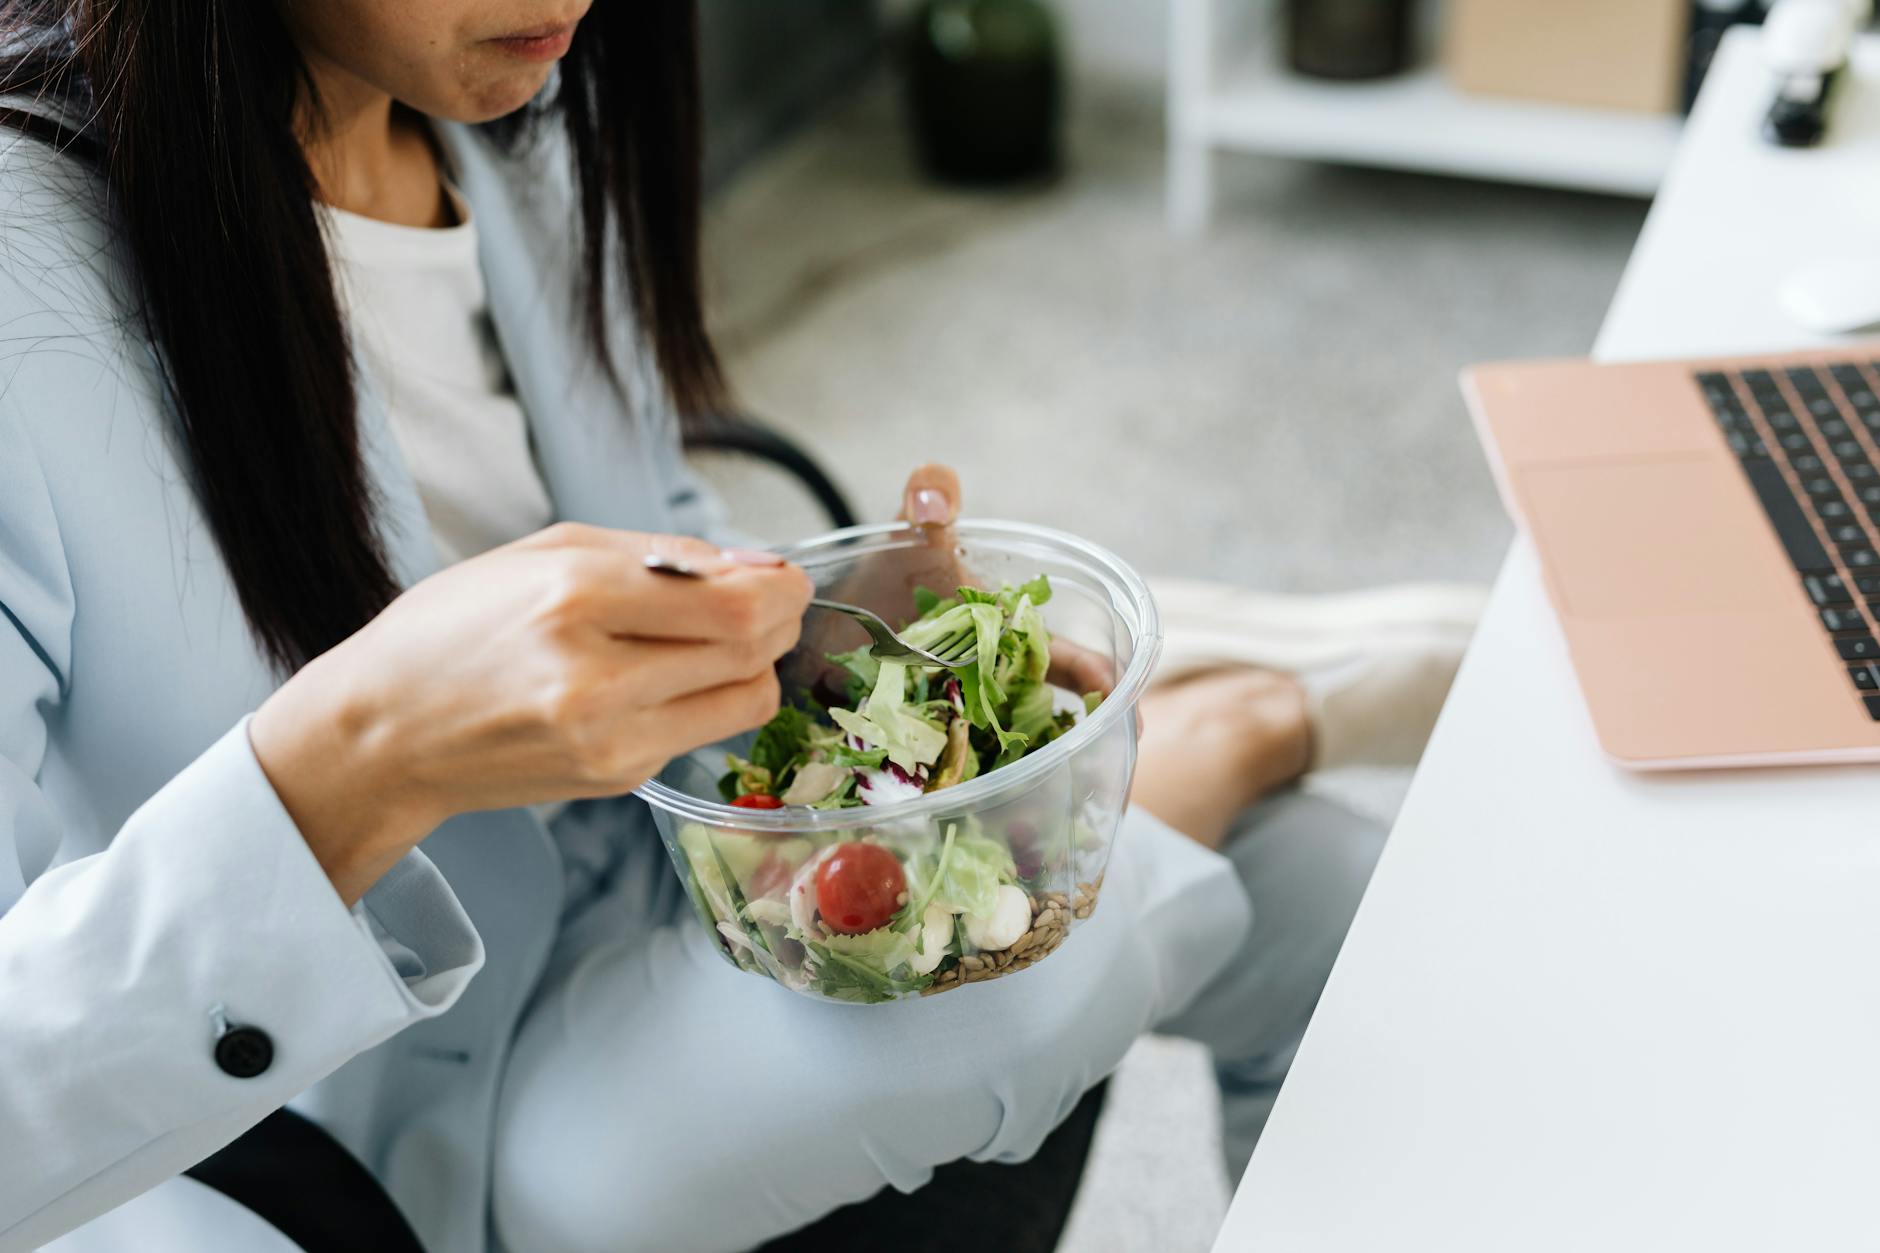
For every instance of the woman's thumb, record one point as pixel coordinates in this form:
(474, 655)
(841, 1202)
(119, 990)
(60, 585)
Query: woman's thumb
(932, 497)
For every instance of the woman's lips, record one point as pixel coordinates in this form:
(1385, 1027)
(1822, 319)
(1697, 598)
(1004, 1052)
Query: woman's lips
(544, 43)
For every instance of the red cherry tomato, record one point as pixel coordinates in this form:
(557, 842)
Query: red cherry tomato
(757, 800)
(858, 888)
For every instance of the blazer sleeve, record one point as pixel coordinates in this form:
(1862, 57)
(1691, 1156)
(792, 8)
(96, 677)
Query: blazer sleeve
(696, 508)
(124, 973)
(692, 507)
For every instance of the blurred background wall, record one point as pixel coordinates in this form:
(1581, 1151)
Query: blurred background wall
(765, 68)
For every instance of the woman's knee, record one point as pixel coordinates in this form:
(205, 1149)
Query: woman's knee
(777, 1108)
(783, 1109)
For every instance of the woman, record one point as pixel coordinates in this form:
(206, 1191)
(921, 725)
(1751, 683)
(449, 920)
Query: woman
(339, 359)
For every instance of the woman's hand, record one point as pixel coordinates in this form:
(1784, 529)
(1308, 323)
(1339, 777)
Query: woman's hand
(932, 499)
(551, 668)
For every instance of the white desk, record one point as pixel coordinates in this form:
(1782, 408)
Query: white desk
(1582, 1009)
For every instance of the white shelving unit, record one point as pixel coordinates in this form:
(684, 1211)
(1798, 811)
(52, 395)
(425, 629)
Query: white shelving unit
(1229, 91)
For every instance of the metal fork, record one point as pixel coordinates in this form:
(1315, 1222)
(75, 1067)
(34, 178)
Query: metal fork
(954, 653)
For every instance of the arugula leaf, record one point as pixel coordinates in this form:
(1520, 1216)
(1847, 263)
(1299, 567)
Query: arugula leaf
(783, 741)
(862, 667)
(847, 979)
(867, 758)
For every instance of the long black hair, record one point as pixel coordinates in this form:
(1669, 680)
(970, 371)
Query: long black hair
(188, 108)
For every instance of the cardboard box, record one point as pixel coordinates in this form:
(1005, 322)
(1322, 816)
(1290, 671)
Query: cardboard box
(1609, 54)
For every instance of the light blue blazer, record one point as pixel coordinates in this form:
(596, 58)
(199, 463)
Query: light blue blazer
(152, 889)
(154, 892)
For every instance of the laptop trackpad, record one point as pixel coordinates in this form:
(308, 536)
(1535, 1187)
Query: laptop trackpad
(1674, 534)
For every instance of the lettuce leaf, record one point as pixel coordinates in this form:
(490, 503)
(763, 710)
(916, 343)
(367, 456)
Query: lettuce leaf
(984, 693)
(863, 669)
(926, 600)
(971, 872)
(885, 722)
(1031, 655)
(945, 627)
(882, 949)
(1032, 711)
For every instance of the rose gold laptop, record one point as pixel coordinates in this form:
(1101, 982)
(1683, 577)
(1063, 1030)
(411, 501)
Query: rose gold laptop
(1709, 533)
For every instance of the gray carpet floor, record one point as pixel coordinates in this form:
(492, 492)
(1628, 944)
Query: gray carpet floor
(1273, 403)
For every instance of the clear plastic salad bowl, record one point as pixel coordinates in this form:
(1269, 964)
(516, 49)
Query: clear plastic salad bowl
(994, 873)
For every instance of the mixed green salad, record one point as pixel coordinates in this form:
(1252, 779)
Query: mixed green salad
(912, 729)
(871, 919)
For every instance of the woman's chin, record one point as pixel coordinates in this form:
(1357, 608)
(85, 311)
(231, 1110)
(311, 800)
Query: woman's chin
(498, 95)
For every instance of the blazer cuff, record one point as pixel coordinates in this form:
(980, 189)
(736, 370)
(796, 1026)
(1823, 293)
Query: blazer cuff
(196, 974)
(289, 957)
(423, 933)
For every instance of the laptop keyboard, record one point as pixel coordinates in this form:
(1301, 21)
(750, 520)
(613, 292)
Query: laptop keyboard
(1806, 438)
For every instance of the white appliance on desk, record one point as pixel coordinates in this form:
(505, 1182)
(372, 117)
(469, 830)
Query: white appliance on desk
(1588, 1009)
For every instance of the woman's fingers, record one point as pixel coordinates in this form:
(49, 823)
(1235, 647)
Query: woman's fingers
(932, 496)
(664, 670)
(741, 604)
(636, 545)
(1084, 670)
(719, 713)
(607, 586)
(683, 552)
(1080, 669)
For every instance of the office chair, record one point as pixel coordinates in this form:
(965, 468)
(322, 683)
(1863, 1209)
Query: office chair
(743, 435)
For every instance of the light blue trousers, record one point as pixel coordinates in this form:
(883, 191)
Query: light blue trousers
(659, 1099)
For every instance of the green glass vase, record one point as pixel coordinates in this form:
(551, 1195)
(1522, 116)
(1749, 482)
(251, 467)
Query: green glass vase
(985, 84)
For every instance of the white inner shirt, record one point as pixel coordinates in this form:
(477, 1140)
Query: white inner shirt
(415, 300)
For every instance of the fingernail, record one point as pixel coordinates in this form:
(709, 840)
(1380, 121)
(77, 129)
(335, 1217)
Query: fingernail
(659, 563)
(930, 507)
(751, 557)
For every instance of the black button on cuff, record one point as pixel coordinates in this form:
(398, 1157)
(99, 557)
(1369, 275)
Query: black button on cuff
(244, 1052)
